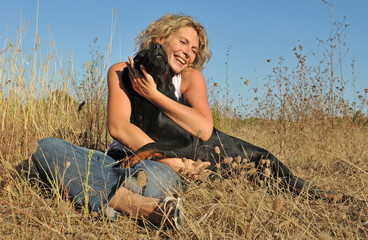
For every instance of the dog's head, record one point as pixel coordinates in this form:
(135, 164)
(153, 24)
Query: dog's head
(154, 60)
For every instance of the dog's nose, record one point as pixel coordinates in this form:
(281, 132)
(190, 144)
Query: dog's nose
(157, 46)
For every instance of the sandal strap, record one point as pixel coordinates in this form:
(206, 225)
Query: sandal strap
(176, 204)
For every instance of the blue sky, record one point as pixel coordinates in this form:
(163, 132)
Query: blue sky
(255, 30)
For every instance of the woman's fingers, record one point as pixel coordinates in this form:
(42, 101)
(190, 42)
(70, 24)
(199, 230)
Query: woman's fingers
(142, 83)
(131, 61)
(145, 74)
(132, 71)
(134, 75)
(195, 170)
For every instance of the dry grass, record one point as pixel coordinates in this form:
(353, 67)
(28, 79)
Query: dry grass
(41, 97)
(219, 209)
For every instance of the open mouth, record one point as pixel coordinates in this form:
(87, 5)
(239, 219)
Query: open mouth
(180, 60)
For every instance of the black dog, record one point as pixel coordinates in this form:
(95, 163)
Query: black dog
(173, 141)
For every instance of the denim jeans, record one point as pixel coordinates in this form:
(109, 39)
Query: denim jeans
(92, 177)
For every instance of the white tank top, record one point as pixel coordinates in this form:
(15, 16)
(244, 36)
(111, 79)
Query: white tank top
(176, 80)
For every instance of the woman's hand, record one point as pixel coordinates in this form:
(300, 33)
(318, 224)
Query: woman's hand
(144, 84)
(188, 168)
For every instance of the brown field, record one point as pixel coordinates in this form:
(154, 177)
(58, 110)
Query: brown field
(305, 122)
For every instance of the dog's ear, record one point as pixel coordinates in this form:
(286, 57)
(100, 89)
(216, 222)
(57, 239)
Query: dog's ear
(140, 54)
(138, 59)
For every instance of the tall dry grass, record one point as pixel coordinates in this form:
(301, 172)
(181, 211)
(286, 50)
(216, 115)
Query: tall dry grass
(304, 120)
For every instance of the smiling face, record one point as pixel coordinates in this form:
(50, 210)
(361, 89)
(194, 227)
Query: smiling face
(181, 48)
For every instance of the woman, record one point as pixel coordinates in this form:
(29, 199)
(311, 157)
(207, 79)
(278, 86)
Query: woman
(89, 177)
(186, 45)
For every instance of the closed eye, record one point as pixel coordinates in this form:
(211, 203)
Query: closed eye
(194, 50)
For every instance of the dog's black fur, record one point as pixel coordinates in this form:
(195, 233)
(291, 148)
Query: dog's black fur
(173, 141)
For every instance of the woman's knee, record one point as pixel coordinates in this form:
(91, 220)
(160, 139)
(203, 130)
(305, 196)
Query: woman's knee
(50, 143)
(44, 147)
(159, 172)
(47, 155)
(153, 179)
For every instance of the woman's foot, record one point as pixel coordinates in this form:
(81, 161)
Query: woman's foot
(173, 213)
(167, 212)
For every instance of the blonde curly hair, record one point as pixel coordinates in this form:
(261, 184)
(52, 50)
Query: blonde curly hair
(170, 24)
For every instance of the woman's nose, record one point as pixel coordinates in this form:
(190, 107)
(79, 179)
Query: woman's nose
(187, 52)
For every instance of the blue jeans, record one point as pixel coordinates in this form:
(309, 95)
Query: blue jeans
(92, 177)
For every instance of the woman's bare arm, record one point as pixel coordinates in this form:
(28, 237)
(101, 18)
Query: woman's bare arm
(119, 111)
